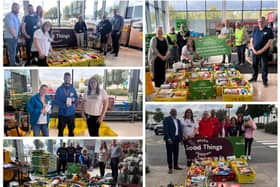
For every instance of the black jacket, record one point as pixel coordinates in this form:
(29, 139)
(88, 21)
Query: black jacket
(80, 27)
(104, 27)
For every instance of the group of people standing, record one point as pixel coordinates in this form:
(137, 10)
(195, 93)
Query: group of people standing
(166, 50)
(177, 130)
(34, 31)
(94, 107)
(81, 155)
(37, 36)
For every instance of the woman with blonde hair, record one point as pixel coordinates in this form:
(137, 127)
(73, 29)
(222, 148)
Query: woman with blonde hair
(157, 56)
(95, 105)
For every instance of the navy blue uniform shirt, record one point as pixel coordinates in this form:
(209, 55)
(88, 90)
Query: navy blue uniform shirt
(260, 38)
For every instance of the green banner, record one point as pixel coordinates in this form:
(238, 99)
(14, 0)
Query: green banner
(179, 22)
(212, 46)
(238, 144)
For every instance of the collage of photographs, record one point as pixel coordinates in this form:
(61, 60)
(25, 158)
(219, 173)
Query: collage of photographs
(139, 93)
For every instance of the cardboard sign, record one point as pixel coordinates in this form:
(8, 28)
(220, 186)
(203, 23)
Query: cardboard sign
(214, 147)
(213, 45)
(63, 37)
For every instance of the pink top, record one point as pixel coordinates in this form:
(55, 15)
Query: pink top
(249, 132)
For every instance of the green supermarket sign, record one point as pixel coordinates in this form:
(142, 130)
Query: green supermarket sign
(212, 45)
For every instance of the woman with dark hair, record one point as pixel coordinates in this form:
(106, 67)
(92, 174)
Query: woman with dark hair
(102, 157)
(233, 129)
(95, 105)
(39, 14)
(41, 46)
(189, 128)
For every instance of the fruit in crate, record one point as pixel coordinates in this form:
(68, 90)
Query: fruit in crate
(195, 171)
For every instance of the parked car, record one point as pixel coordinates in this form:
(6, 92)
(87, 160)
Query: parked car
(158, 129)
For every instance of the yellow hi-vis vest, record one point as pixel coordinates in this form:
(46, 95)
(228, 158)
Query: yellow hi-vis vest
(239, 36)
(173, 38)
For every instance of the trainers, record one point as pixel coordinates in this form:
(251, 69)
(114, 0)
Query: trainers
(252, 80)
(265, 84)
(249, 157)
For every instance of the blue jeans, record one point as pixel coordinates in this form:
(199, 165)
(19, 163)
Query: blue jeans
(40, 127)
(12, 50)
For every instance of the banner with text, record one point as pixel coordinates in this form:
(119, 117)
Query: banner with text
(213, 45)
(63, 37)
(214, 147)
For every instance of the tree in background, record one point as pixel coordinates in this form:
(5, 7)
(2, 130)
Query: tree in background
(158, 115)
(221, 113)
(38, 144)
(51, 14)
(240, 110)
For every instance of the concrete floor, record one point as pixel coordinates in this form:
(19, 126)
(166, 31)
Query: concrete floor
(123, 129)
(128, 57)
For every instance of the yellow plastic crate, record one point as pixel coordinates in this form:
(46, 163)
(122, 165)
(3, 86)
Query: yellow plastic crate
(245, 178)
(60, 65)
(235, 97)
(171, 99)
(81, 128)
(238, 162)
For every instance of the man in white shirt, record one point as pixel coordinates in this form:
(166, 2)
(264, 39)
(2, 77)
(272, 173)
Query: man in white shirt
(227, 30)
(172, 136)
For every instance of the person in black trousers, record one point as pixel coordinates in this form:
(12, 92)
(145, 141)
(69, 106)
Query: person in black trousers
(62, 154)
(117, 27)
(29, 26)
(102, 157)
(158, 55)
(261, 41)
(172, 136)
(115, 155)
(182, 38)
(104, 27)
(95, 106)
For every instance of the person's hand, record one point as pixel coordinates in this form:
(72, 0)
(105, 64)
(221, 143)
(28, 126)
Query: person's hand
(259, 52)
(27, 36)
(43, 111)
(169, 141)
(100, 119)
(41, 56)
(84, 116)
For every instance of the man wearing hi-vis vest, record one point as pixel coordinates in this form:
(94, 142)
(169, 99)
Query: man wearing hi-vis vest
(241, 40)
(172, 46)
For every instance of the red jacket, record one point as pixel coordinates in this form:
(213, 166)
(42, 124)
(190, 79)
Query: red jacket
(216, 126)
(205, 128)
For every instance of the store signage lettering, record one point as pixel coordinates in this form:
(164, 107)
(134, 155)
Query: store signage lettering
(63, 37)
(208, 147)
